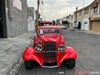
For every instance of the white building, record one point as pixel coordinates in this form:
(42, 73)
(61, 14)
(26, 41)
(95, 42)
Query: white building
(31, 18)
(70, 19)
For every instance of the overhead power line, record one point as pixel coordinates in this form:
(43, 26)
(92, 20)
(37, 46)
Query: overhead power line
(41, 8)
(42, 12)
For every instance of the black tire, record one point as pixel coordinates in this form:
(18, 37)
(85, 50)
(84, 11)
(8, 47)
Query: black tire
(29, 65)
(70, 63)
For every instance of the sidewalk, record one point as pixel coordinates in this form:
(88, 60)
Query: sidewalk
(91, 32)
(11, 50)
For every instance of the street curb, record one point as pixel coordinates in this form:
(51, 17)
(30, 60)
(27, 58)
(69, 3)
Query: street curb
(14, 68)
(89, 33)
(8, 70)
(92, 33)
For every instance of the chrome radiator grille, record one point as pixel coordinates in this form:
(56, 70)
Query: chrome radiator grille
(49, 50)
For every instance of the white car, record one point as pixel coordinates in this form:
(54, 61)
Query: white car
(63, 27)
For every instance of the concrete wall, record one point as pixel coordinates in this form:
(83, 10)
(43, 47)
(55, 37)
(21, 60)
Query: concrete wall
(16, 18)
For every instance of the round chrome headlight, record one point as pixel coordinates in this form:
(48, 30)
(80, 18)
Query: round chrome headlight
(61, 48)
(38, 48)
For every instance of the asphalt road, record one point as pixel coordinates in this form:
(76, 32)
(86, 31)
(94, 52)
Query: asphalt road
(88, 61)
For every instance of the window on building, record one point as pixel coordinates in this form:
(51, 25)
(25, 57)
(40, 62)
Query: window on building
(85, 22)
(30, 12)
(80, 13)
(86, 11)
(95, 9)
(72, 16)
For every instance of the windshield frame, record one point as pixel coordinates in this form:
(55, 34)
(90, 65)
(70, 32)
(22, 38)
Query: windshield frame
(48, 33)
(46, 24)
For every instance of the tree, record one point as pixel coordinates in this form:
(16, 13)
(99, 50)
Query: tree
(65, 22)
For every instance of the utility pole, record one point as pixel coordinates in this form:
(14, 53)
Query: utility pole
(83, 15)
(76, 18)
(37, 17)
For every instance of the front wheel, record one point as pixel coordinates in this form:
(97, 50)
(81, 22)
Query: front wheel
(29, 65)
(70, 63)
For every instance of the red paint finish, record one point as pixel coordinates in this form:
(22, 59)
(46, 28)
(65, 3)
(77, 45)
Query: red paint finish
(68, 54)
(31, 54)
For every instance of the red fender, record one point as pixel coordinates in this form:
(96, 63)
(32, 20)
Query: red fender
(30, 54)
(35, 41)
(68, 54)
(62, 40)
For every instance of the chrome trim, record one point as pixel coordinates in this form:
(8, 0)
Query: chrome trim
(63, 46)
(50, 66)
(38, 45)
(49, 51)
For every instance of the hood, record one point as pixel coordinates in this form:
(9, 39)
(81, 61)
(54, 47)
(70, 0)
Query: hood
(50, 38)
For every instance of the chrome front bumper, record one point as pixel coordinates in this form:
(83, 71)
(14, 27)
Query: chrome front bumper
(50, 66)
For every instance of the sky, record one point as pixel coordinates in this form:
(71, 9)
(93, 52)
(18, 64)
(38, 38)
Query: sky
(55, 9)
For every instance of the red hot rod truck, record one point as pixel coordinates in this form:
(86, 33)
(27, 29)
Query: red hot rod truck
(49, 47)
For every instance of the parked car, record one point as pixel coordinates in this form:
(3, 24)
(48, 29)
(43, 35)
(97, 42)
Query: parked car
(49, 47)
(46, 23)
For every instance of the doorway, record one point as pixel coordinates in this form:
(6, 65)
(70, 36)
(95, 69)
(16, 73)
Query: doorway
(79, 25)
(3, 30)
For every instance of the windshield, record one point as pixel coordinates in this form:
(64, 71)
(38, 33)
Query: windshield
(45, 24)
(49, 31)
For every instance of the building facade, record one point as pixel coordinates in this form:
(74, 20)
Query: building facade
(13, 18)
(31, 18)
(70, 19)
(89, 16)
(95, 16)
(82, 15)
